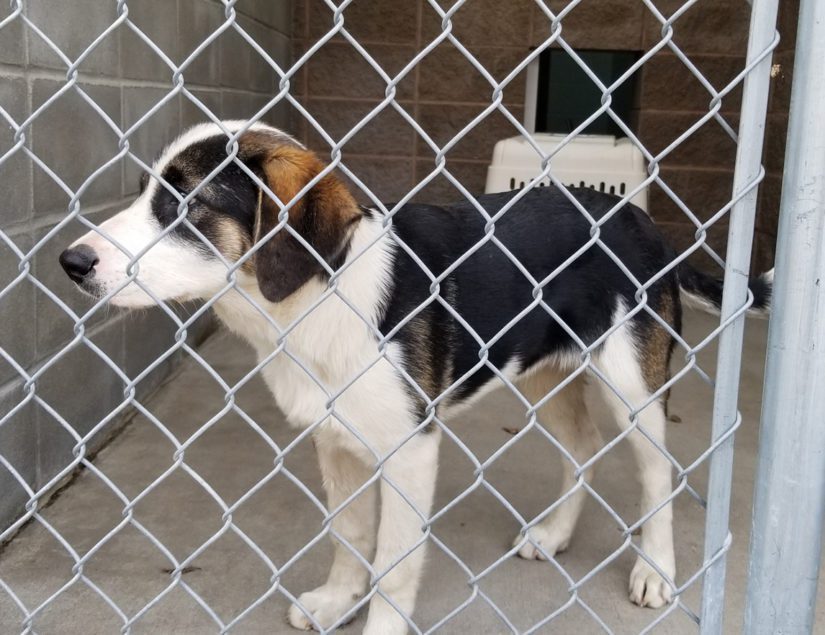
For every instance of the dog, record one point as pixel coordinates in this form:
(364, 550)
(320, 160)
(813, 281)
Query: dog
(376, 330)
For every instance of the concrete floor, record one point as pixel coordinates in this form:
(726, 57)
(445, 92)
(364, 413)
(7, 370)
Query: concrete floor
(233, 458)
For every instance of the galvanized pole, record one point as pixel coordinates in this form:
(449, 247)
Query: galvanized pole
(789, 497)
(737, 263)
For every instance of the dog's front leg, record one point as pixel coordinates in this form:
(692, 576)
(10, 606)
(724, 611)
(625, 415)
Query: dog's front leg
(343, 474)
(407, 488)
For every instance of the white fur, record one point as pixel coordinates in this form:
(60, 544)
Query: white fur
(618, 362)
(203, 131)
(701, 303)
(369, 420)
(764, 312)
(342, 475)
(166, 271)
(372, 418)
(698, 302)
(566, 417)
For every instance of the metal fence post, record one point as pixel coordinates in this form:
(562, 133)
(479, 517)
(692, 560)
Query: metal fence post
(789, 498)
(740, 234)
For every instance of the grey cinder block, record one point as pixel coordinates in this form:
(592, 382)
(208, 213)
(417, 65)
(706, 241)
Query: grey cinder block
(274, 13)
(158, 20)
(72, 27)
(125, 78)
(192, 114)
(199, 20)
(148, 140)
(15, 171)
(17, 314)
(242, 66)
(12, 41)
(74, 141)
(18, 445)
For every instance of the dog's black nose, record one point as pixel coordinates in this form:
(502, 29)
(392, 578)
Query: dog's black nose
(78, 262)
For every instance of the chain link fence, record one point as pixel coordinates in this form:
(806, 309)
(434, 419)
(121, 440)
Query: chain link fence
(740, 209)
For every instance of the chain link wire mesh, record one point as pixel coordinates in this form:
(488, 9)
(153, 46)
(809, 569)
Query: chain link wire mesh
(286, 76)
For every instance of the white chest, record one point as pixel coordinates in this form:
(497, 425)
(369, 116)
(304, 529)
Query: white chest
(322, 357)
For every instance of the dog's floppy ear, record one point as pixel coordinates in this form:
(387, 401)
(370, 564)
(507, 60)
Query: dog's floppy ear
(324, 217)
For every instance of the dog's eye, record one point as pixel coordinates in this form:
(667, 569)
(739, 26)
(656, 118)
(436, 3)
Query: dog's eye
(167, 203)
(174, 200)
(180, 192)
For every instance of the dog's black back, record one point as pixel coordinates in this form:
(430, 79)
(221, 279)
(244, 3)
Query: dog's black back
(488, 290)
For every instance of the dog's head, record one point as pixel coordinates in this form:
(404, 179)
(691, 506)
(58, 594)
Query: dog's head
(226, 216)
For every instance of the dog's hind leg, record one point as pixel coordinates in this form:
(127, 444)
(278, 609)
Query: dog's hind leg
(631, 365)
(343, 474)
(565, 416)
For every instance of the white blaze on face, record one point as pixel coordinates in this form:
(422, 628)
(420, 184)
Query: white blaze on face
(171, 269)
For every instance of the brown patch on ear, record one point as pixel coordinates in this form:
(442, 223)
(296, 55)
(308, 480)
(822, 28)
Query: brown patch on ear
(324, 217)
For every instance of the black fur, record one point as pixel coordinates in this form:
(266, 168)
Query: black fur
(701, 284)
(283, 264)
(229, 194)
(487, 290)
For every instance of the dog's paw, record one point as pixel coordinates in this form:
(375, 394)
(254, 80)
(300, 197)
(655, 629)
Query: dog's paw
(648, 588)
(386, 627)
(326, 604)
(551, 542)
(383, 619)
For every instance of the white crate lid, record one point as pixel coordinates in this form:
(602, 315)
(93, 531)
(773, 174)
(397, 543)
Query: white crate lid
(587, 152)
(602, 162)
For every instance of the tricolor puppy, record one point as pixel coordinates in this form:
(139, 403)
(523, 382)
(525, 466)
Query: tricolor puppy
(431, 356)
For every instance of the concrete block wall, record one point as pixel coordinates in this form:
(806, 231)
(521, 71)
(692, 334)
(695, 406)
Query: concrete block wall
(444, 93)
(126, 79)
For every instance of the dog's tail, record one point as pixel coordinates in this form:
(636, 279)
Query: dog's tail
(704, 292)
